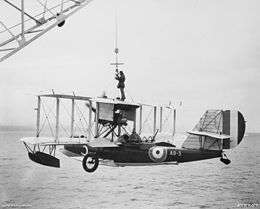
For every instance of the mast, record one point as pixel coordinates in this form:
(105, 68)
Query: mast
(116, 51)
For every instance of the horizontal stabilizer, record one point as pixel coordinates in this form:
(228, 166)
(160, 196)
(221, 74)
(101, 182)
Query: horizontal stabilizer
(213, 135)
(217, 130)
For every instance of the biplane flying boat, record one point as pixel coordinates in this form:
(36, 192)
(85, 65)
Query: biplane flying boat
(108, 139)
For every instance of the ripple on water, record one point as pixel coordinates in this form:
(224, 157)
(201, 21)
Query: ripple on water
(63, 177)
(133, 199)
(197, 185)
(6, 158)
(138, 187)
(203, 206)
(177, 203)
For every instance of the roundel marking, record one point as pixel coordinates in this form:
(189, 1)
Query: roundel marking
(233, 125)
(241, 127)
(157, 154)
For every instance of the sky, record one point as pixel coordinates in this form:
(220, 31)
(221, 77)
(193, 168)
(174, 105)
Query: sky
(205, 54)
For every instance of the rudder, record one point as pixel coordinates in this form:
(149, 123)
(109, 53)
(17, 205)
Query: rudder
(233, 125)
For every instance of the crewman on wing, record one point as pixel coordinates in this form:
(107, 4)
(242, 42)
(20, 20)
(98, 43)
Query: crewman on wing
(121, 83)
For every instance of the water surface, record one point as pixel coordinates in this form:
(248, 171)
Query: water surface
(204, 184)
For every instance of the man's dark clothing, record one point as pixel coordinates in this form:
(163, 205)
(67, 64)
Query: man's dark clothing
(121, 84)
(121, 80)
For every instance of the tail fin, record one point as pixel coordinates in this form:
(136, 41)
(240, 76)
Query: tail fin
(233, 125)
(217, 129)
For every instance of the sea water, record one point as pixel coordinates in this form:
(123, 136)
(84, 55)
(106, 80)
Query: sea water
(202, 184)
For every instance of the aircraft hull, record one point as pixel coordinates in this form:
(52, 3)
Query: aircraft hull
(134, 154)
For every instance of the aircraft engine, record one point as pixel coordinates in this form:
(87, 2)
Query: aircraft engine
(157, 154)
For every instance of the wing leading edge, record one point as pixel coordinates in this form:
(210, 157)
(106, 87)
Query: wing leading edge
(48, 141)
(213, 135)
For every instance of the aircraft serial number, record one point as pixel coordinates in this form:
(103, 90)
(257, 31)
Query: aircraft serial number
(175, 153)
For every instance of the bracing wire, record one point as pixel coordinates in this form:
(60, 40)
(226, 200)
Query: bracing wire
(81, 114)
(50, 111)
(80, 119)
(68, 114)
(45, 8)
(43, 124)
(43, 121)
(129, 93)
(167, 118)
(35, 16)
(145, 121)
(63, 128)
(46, 115)
(76, 124)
